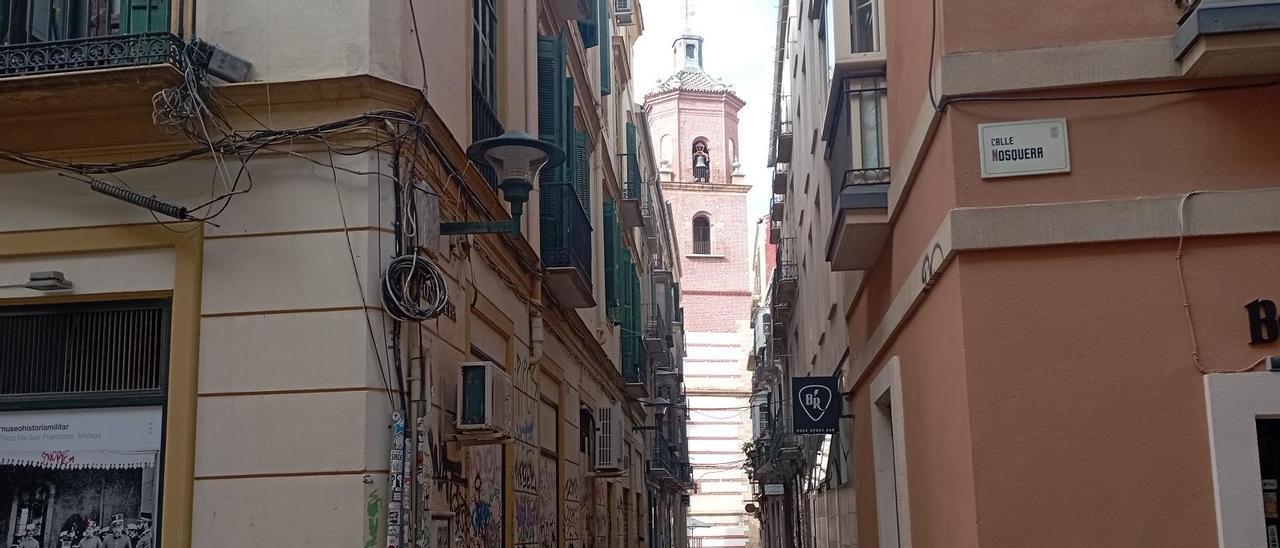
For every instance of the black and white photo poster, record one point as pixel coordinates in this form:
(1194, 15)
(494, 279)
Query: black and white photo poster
(80, 478)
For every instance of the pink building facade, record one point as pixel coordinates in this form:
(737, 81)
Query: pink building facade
(694, 119)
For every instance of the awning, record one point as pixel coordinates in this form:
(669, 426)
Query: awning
(81, 459)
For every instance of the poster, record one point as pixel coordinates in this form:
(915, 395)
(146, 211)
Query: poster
(70, 474)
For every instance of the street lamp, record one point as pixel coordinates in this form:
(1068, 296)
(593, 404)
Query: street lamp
(517, 158)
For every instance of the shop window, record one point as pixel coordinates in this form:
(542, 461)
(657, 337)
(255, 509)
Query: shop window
(82, 392)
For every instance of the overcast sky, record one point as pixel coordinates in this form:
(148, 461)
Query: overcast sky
(738, 49)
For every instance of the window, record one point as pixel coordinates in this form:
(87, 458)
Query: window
(862, 23)
(869, 94)
(701, 235)
(701, 161)
(96, 373)
(690, 51)
(484, 71)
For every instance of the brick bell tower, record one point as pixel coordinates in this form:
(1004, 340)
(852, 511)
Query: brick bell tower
(693, 118)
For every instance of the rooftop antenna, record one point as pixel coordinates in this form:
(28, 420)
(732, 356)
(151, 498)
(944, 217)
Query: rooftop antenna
(688, 13)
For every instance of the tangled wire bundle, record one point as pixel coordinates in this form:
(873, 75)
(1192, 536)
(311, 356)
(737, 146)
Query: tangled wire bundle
(413, 289)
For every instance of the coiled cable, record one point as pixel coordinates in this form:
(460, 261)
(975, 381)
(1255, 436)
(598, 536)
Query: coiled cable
(413, 289)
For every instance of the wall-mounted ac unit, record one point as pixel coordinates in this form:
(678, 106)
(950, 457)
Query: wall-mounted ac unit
(609, 457)
(484, 398)
(624, 12)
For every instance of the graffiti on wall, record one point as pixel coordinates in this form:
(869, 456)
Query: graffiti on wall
(372, 511)
(548, 522)
(526, 519)
(486, 491)
(573, 504)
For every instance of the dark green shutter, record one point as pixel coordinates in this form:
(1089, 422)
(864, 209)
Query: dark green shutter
(588, 27)
(611, 243)
(606, 49)
(582, 167)
(569, 139)
(633, 161)
(551, 98)
(145, 16)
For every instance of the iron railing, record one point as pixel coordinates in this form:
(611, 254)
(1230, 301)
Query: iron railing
(484, 124)
(865, 176)
(655, 325)
(661, 458)
(634, 370)
(566, 229)
(152, 48)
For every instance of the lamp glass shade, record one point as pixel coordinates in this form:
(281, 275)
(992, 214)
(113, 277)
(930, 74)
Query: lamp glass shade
(515, 156)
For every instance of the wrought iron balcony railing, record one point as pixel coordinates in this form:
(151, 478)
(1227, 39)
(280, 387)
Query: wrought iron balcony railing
(90, 53)
(865, 176)
(656, 327)
(484, 124)
(634, 368)
(49, 37)
(661, 458)
(566, 229)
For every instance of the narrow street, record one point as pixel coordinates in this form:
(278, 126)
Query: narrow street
(639, 273)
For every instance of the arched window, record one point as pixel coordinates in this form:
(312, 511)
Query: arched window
(701, 235)
(666, 148)
(701, 161)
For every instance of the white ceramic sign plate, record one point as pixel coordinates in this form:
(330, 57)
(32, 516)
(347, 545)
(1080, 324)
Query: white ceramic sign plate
(1029, 147)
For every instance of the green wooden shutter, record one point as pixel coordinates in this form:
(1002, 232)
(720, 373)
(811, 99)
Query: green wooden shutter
(551, 98)
(145, 16)
(582, 167)
(610, 258)
(568, 141)
(606, 49)
(633, 161)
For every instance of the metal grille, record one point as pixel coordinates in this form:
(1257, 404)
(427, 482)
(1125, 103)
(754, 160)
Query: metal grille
(102, 347)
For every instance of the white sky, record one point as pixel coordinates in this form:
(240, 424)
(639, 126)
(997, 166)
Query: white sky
(738, 49)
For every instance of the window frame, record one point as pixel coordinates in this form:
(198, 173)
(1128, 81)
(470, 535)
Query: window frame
(706, 247)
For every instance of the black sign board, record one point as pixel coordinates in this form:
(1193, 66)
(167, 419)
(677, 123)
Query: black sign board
(816, 404)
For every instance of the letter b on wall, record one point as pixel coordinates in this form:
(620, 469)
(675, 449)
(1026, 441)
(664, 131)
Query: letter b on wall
(1263, 325)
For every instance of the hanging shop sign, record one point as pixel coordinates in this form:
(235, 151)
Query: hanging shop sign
(1029, 147)
(815, 404)
(771, 489)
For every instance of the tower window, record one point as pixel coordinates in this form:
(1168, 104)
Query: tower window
(701, 235)
(690, 51)
(701, 162)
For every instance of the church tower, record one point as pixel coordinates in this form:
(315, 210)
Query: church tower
(694, 119)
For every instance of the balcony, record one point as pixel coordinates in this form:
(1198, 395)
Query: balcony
(662, 461)
(566, 245)
(861, 211)
(783, 140)
(775, 230)
(1228, 38)
(657, 330)
(635, 372)
(53, 37)
(777, 206)
(781, 176)
(632, 194)
(649, 213)
(786, 274)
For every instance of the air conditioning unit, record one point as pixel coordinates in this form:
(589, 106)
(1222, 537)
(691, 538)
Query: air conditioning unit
(624, 12)
(609, 457)
(484, 398)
